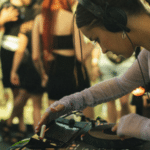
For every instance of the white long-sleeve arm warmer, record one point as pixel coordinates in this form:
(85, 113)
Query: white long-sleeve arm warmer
(134, 125)
(107, 90)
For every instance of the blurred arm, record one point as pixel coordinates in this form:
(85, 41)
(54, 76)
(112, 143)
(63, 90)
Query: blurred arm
(36, 45)
(23, 42)
(7, 15)
(36, 50)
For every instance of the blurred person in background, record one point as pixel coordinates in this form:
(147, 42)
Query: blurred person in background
(112, 66)
(19, 74)
(54, 55)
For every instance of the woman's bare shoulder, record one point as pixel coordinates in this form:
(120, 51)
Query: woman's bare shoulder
(65, 13)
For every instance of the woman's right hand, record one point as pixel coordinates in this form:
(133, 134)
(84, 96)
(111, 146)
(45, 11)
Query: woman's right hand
(9, 14)
(14, 78)
(45, 117)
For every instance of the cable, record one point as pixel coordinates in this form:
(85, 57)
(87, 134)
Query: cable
(81, 47)
(139, 65)
(82, 61)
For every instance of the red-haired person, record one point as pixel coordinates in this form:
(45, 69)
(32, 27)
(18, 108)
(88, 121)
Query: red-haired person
(53, 38)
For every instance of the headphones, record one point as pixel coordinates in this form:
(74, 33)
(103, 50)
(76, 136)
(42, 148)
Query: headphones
(114, 19)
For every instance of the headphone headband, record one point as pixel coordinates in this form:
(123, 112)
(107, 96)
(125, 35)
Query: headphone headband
(89, 5)
(114, 19)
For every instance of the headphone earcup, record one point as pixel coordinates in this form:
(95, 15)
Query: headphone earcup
(115, 20)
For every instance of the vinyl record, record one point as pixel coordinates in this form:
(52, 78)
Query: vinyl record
(102, 137)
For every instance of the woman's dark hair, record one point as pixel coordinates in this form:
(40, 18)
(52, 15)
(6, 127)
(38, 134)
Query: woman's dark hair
(85, 17)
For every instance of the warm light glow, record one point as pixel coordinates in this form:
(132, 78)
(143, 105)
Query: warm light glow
(138, 91)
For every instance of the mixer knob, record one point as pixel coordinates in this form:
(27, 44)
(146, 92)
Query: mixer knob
(71, 123)
(93, 123)
(83, 118)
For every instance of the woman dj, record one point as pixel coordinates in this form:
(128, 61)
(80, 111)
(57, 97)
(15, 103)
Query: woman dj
(118, 26)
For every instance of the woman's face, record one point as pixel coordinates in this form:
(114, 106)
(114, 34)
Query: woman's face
(109, 41)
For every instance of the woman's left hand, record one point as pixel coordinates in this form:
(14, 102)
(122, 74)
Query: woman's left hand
(45, 117)
(15, 79)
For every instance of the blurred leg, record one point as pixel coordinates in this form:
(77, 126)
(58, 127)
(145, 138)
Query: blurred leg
(37, 102)
(19, 102)
(112, 112)
(15, 92)
(125, 109)
(89, 112)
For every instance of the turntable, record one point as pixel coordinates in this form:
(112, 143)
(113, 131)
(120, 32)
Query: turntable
(102, 137)
(96, 134)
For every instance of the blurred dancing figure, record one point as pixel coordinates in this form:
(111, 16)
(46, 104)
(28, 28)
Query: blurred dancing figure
(53, 34)
(111, 66)
(17, 19)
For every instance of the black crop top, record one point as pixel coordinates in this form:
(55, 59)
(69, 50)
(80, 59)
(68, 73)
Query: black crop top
(63, 42)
